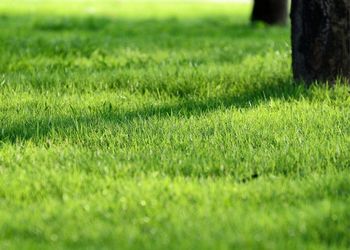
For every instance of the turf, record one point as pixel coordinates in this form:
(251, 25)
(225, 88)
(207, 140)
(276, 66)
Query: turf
(160, 125)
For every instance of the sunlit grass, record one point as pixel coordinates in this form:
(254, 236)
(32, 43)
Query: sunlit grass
(154, 9)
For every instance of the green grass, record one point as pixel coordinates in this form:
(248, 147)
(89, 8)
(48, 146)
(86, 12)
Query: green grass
(164, 126)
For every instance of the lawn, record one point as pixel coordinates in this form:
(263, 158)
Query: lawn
(157, 125)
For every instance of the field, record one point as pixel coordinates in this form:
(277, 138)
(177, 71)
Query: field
(157, 125)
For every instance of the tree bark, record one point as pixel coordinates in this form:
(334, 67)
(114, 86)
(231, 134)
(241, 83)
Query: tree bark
(320, 40)
(273, 12)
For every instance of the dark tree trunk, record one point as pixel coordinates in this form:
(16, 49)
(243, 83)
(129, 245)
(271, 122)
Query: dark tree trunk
(270, 11)
(321, 39)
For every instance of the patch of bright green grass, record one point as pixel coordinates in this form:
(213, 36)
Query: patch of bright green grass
(164, 126)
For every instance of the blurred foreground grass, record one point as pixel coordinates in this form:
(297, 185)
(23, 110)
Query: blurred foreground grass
(164, 126)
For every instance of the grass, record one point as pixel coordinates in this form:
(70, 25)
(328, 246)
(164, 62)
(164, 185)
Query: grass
(164, 126)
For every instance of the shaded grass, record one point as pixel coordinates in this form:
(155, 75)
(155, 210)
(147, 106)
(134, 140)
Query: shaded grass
(173, 128)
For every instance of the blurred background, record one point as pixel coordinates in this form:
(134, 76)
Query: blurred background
(143, 46)
(110, 7)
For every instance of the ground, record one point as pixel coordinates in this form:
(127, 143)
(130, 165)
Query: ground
(164, 126)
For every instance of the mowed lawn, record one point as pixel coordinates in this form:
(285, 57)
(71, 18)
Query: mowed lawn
(128, 125)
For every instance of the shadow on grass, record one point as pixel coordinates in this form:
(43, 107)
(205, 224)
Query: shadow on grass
(83, 35)
(39, 129)
(203, 27)
(221, 38)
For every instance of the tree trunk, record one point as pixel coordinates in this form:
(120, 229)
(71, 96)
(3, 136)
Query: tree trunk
(321, 40)
(270, 11)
